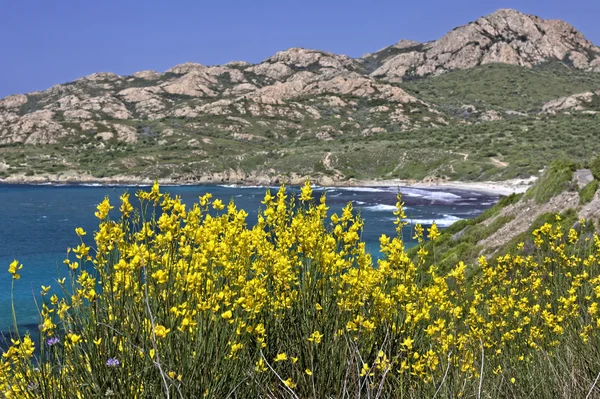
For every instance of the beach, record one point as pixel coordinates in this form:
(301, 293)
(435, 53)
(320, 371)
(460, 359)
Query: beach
(503, 187)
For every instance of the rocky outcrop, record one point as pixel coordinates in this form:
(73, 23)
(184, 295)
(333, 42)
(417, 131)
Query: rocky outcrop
(34, 128)
(13, 102)
(506, 36)
(148, 75)
(196, 83)
(300, 58)
(576, 102)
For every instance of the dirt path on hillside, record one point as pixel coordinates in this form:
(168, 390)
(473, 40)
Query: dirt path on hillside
(328, 165)
(498, 163)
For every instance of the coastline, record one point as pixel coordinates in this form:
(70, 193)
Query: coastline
(500, 188)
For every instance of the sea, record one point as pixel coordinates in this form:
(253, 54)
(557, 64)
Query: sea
(37, 225)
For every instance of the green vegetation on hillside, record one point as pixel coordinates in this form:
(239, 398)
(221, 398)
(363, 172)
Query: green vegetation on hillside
(488, 151)
(461, 240)
(556, 179)
(587, 193)
(502, 87)
(360, 137)
(522, 214)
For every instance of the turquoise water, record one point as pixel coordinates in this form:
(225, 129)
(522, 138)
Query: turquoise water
(38, 224)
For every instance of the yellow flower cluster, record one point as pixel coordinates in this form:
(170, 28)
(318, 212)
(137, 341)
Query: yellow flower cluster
(194, 301)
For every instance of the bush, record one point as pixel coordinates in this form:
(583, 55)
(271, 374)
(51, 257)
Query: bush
(191, 302)
(587, 193)
(557, 178)
(595, 167)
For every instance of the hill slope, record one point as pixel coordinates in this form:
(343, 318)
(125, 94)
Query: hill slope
(565, 189)
(311, 113)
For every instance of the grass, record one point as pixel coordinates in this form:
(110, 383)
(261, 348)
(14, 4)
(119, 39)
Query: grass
(587, 193)
(558, 178)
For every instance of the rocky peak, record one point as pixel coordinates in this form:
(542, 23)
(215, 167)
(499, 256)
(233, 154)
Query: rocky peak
(237, 64)
(300, 58)
(101, 76)
(186, 67)
(505, 36)
(14, 101)
(147, 74)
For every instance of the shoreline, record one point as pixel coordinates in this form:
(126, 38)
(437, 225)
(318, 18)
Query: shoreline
(499, 188)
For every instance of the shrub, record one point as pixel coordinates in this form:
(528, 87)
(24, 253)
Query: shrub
(587, 193)
(595, 167)
(557, 178)
(178, 302)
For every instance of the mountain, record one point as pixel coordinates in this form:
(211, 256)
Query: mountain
(506, 36)
(300, 111)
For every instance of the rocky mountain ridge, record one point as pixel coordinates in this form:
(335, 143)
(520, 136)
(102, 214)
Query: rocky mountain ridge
(506, 36)
(447, 109)
(295, 93)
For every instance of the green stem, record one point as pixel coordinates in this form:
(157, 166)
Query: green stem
(12, 305)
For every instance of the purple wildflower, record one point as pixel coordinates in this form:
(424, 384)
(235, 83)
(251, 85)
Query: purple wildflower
(52, 341)
(113, 362)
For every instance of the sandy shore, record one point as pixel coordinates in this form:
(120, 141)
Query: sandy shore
(506, 187)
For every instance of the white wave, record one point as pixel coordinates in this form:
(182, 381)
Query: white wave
(140, 185)
(244, 186)
(362, 189)
(380, 208)
(92, 184)
(445, 221)
(431, 195)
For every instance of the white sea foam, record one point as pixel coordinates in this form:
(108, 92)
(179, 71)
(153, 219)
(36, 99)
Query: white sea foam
(430, 195)
(380, 208)
(245, 186)
(363, 189)
(444, 221)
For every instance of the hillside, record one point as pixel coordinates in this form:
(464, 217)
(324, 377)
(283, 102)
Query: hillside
(494, 99)
(566, 189)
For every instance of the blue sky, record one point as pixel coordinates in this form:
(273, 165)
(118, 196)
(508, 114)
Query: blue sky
(43, 42)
